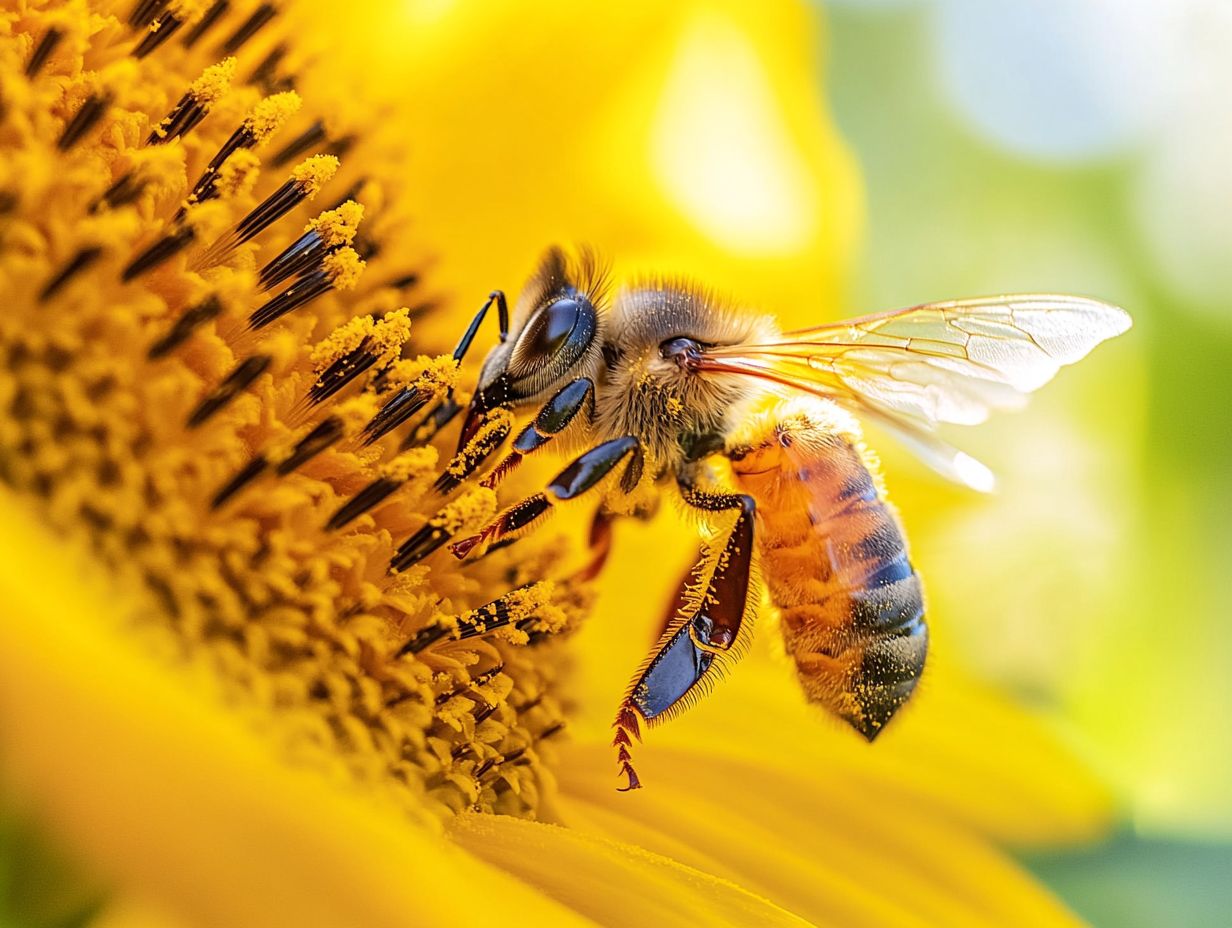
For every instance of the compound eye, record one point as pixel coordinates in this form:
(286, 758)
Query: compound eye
(554, 337)
(549, 330)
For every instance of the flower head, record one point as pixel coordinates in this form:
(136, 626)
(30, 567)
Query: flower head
(226, 409)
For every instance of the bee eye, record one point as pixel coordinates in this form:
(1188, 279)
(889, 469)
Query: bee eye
(549, 330)
(686, 352)
(555, 337)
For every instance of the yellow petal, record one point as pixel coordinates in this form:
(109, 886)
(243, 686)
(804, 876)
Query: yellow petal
(837, 848)
(614, 884)
(174, 801)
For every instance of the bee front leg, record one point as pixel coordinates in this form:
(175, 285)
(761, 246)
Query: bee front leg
(556, 415)
(404, 403)
(703, 635)
(585, 474)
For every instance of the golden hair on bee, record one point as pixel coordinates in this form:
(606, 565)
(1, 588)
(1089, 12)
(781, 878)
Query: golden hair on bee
(653, 395)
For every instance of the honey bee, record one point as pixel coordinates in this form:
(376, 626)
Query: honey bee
(669, 388)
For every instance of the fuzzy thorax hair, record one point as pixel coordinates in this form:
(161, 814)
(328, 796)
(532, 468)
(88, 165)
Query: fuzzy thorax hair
(647, 395)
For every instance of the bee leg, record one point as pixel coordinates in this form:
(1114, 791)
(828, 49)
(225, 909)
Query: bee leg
(502, 314)
(497, 394)
(599, 543)
(715, 605)
(404, 403)
(584, 474)
(725, 602)
(553, 418)
(481, 447)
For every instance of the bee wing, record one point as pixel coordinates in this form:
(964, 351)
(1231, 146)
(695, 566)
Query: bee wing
(953, 362)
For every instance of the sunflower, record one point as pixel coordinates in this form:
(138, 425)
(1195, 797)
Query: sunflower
(240, 683)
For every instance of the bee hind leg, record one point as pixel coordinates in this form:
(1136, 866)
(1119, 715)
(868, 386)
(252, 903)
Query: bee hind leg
(714, 605)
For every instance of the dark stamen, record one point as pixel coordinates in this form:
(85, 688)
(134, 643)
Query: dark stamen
(352, 194)
(265, 75)
(341, 269)
(235, 383)
(400, 407)
(305, 181)
(310, 137)
(298, 257)
(312, 444)
(341, 372)
(212, 16)
(342, 146)
(145, 11)
(164, 249)
(440, 417)
(251, 26)
(196, 102)
(367, 247)
(473, 684)
(264, 119)
(469, 459)
(428, 539)
(329, 231)
(486, 618)
(206, 187)
(78, 263)
(196, 316)
(47, 44)
(250, 472)
(304, 290)
(160, 30)
(371, 495)
(183, 117)
(125, 189)
(404, 281)
(83, 121)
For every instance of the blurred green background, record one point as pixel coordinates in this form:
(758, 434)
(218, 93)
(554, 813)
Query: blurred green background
(1082, 147)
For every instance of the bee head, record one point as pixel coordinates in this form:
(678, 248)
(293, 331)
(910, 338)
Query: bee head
(553, 338)
(662, 330)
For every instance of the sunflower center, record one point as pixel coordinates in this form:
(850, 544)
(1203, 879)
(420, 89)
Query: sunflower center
(211, 380)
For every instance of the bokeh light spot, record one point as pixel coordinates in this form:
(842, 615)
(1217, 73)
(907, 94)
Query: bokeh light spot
(720, 149)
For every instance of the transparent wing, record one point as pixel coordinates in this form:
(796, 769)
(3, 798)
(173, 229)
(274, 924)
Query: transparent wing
(953, 362)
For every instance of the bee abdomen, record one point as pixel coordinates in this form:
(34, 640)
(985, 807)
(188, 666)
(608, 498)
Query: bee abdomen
(852, 605)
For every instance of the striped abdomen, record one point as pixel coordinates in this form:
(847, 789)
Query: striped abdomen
(836, 563)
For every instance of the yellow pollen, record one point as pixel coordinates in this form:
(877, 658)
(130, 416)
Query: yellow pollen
(131, 405)
(389, 335)
(214, 82)
(416, 464)
(342, 341)
(497, 421)
(429, 376)
(238, 174)
(469, 511)
(268, 116)
(337, 226)
(343, 268)
(313, 173)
